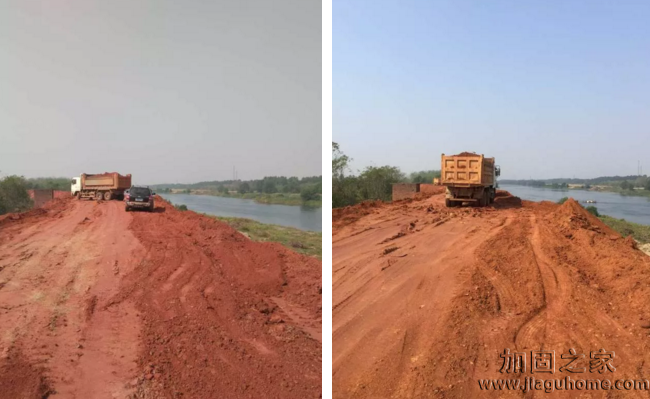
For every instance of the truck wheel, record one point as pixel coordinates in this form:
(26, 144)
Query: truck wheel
(448, 203)
(127, 208)
(98, 195)
(481, 201)
(107, 196)
(78, 195)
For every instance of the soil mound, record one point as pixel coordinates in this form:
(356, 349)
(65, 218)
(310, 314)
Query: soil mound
(459, 287)
(350, 214)
(503, 199)
(224, 316)
(571, 215)
(467, 154)
(49, 209)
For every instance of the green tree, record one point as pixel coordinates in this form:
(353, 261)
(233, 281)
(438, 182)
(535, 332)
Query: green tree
(377, 182)
(340, 162)
(625, 185)
(13, 195)
(424, 176)
(223, 189)
(593, 210)
(345, 189)
(647, 185)
(269, 186)
(310, 192)
(244, 188)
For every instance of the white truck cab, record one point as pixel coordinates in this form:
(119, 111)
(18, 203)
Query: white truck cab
(75, 185)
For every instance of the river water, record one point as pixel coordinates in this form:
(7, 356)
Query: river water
(631, 208)
(300, 217)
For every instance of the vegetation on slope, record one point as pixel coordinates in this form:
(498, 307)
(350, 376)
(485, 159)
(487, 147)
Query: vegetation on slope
(305, 242)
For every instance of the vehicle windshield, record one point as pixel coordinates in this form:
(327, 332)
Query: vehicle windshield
(139, 192)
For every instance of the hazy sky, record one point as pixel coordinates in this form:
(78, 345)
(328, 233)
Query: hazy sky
(549, 88)
(169, 91)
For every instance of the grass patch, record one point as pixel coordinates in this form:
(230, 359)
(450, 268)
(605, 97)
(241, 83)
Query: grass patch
(639, 232)
(305, 242)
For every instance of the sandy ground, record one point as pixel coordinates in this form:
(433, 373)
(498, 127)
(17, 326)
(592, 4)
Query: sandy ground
(426, 298)
(96, 302)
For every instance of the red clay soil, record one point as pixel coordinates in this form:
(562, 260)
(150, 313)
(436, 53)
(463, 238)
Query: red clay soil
(426, 298)
(467, 154)
(96, 302)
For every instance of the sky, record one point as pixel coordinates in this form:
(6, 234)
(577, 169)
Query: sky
(548, 88)
(168, 91)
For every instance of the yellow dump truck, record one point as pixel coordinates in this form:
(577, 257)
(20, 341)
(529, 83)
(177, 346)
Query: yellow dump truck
(469, 178)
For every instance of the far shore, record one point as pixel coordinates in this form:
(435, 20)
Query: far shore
(292, 199)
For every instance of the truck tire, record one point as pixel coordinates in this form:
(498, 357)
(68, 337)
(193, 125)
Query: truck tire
(77, 195)
(98, 195)
(127, 208)
(107, 196)
(448, 203)
(481, 201)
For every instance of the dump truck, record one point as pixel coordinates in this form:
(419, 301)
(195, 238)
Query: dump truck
(104, 186)
(469, 178)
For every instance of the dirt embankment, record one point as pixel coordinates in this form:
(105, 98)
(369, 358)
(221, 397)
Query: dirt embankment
(426, 298)
(97, 302)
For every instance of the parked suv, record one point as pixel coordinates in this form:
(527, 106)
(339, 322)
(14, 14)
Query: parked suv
(139, 198)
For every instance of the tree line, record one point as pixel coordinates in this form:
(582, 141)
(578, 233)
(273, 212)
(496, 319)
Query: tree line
(372, 183)
(625, 182)
(309, 188)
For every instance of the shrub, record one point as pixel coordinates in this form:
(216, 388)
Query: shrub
(593, 210)
(181, 207)
(13, 195)
(562, 200)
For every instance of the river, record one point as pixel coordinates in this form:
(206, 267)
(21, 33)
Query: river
(300, 217)
(631, 208)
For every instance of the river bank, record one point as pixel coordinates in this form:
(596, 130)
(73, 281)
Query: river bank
(635, 209)
(299, 217)
(305, 242)
(292, 199)
(639, 232)
(594, 188)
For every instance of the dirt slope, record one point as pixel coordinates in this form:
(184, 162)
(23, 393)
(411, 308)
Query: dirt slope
(99, 303)
(425, 298)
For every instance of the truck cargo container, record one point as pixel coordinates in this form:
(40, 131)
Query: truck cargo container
(104, 186)
(469, 177)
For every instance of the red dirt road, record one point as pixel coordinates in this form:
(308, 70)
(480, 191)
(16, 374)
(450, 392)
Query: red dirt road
(426, 298)
(96, 302)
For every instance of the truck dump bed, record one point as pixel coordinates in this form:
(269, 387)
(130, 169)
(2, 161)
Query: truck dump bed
(467, 170)
(105, 181)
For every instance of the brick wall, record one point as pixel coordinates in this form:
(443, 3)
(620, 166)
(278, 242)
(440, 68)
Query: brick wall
(61, 194)
(405, 190)
(40, 197)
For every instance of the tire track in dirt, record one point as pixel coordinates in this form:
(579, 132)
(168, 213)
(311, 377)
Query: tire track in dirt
(553, 277)
(556, 287)
(407, 301)
(80, 351)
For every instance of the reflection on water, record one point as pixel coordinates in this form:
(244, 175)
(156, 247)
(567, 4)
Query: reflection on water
(631, 208)
(301, 217)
